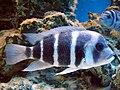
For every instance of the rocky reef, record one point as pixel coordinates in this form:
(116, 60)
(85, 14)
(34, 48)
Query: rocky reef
(19, 10)
(41, 15)
(116, 77)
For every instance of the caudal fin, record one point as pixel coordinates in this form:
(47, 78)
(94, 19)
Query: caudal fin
(15, 53)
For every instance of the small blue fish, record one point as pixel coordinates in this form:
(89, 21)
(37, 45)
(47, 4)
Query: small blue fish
(111, 19)
(65, 46)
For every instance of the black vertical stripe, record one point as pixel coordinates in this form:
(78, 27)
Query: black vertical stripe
(28, 52)
(79, 49)
(64, 46)
(48, 49)
(37, 51)
(116, 19)
(113, 16)
(117, 16)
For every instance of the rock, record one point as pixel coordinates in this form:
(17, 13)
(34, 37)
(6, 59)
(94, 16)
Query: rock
(51, 20)
(93, 16)
(116, 79)
(17, 83)
(18, 10)
(116, 35)
(38, 8)
(93, 26)
(31, 25)
(112, 7)
(75, 83)
(8, 11)
(115, 2)
(44, 86)
(70, 81)
(57, 19)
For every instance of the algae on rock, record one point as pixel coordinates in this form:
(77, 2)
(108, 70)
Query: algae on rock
(51, 20)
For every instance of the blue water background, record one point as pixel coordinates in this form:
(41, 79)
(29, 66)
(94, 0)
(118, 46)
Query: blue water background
(85, 6)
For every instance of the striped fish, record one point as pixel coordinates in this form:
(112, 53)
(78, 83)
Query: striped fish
(65, 46)
(111, 19)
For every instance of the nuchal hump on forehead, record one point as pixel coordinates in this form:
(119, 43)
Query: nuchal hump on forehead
(66, 46)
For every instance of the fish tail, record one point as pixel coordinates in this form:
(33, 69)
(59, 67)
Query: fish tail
(16, 53)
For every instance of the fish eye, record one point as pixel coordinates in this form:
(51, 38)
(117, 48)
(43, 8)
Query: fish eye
(99, 46)
(108, 16)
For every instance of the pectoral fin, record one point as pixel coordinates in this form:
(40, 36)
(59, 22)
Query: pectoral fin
(68, 70)
(37, 65)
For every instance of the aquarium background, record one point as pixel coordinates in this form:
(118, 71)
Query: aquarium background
(36, 16)
(85, 6)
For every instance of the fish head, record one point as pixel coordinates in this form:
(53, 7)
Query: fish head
(97, 52)
(106, 19)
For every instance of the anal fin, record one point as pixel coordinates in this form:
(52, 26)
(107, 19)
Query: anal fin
(68, 70)
(37, 65)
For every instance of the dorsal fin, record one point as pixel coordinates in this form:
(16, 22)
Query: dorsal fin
(35, 37)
